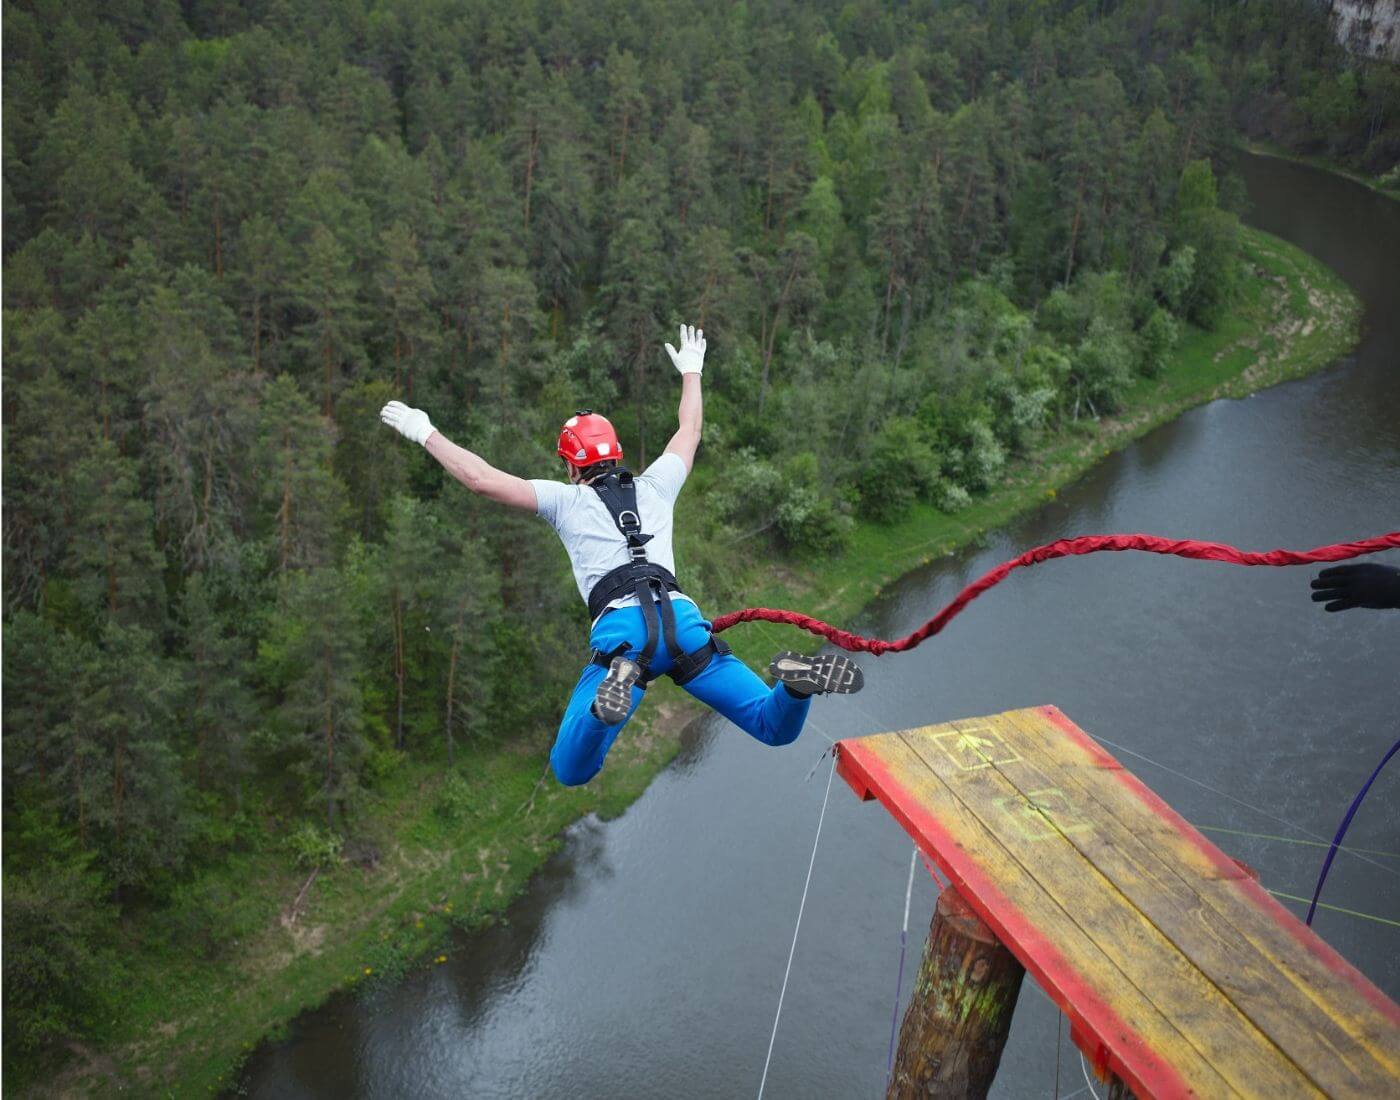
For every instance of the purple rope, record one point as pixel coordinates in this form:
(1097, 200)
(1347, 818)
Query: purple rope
(1342, 831)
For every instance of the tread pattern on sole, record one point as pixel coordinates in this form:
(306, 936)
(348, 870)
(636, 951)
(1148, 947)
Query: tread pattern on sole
(613, 698)
(824, 674)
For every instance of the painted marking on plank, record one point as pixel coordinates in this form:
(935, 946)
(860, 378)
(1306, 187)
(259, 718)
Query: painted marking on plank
(1042, 814)
(975, 748)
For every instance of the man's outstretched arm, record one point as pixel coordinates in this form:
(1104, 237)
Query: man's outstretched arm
(469, 468)
(690, 361)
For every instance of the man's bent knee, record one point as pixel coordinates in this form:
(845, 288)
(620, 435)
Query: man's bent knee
(783, 735)
(569, 771)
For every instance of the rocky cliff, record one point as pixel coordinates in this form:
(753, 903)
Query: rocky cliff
(1369, 28)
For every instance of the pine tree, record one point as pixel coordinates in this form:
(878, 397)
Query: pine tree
(42, 450)
(635, 292)
(199, 415)
(122, 720)
(106, 352)
(314, 659)
(377, 472)
(43, 666)
(302, 501)
(83, 167)
(112, 556)
(325, 289)
(785, 286)
(561, 205)
(410, 559)
(464, 603)
(215, 700)
(406, 290)
(262, 260)
(627, 110)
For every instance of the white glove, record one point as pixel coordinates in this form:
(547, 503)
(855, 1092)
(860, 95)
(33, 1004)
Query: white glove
(410, 423)
(691, 358)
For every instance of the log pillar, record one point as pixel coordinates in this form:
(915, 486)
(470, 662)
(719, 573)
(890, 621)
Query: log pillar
(960, 1012)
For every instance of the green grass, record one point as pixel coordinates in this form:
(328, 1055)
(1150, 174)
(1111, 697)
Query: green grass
(187, 1022)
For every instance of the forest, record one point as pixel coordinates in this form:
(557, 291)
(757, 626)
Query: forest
(917, 235)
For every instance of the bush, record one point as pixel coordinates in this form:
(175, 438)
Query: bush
(212, 913)
(381, 764)
(1046, 371)
(952, 498)
(59, 973)
(750, 491)
(312, 847)
(1030, 409)
(1174, 278)
(456, 801)
(1156, 340)
(899, 467)
(986, 457)
(811, 523)
(1102, 368)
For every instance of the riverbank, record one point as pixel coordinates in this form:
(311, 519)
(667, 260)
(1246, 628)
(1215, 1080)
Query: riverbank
(455, 851)
(1387, 185)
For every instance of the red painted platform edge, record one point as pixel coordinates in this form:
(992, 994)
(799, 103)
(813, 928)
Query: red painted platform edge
(1116, 1046)
(1256, 893)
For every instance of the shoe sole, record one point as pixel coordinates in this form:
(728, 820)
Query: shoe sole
(613, 699)
(824, 674)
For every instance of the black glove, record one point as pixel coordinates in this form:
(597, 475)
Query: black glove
(1366, 585)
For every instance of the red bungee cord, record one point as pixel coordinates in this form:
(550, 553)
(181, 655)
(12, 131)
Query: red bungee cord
(1061, 548)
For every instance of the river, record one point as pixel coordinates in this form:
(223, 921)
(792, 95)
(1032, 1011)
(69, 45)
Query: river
(646, 959)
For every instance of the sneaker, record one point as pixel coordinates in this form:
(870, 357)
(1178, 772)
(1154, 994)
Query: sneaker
(824, 674)
(612, 702)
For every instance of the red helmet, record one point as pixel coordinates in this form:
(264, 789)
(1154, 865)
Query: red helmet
(588, 438)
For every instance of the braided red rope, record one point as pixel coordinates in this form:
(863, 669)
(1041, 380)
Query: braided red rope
(1061, 548)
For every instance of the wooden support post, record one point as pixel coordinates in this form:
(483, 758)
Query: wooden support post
(960, 1013)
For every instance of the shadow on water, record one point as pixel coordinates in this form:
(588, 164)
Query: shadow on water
(645, 958)
(695, 739)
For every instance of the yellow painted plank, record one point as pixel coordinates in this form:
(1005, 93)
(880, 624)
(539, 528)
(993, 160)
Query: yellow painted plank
(1051, 917)
(1336, 1037)
(1204, 1021)
(1145, 865)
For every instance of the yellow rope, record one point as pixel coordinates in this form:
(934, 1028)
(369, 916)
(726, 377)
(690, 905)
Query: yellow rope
(1296, 840)
(1336, 908)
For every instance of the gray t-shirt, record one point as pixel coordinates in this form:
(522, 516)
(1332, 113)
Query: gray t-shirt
(586, 528)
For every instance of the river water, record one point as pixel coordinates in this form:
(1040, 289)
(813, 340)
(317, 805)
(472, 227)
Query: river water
(646, 959)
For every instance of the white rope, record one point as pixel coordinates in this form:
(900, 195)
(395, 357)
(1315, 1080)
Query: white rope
(903, 945)
(1240, 801)
(813, 770)
(1085, 1067)
(793, 949)
(909, 887)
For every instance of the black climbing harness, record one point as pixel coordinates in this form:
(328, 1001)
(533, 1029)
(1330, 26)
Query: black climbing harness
(652, 585)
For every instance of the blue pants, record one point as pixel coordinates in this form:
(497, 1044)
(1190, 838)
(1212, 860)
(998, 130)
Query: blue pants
(773, 716)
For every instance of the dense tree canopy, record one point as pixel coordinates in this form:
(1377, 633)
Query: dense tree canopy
(914, 233)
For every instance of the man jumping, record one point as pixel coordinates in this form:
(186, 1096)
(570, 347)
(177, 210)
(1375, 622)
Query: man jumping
(617, 530)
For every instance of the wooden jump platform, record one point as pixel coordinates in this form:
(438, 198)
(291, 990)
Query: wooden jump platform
(1179, 974)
